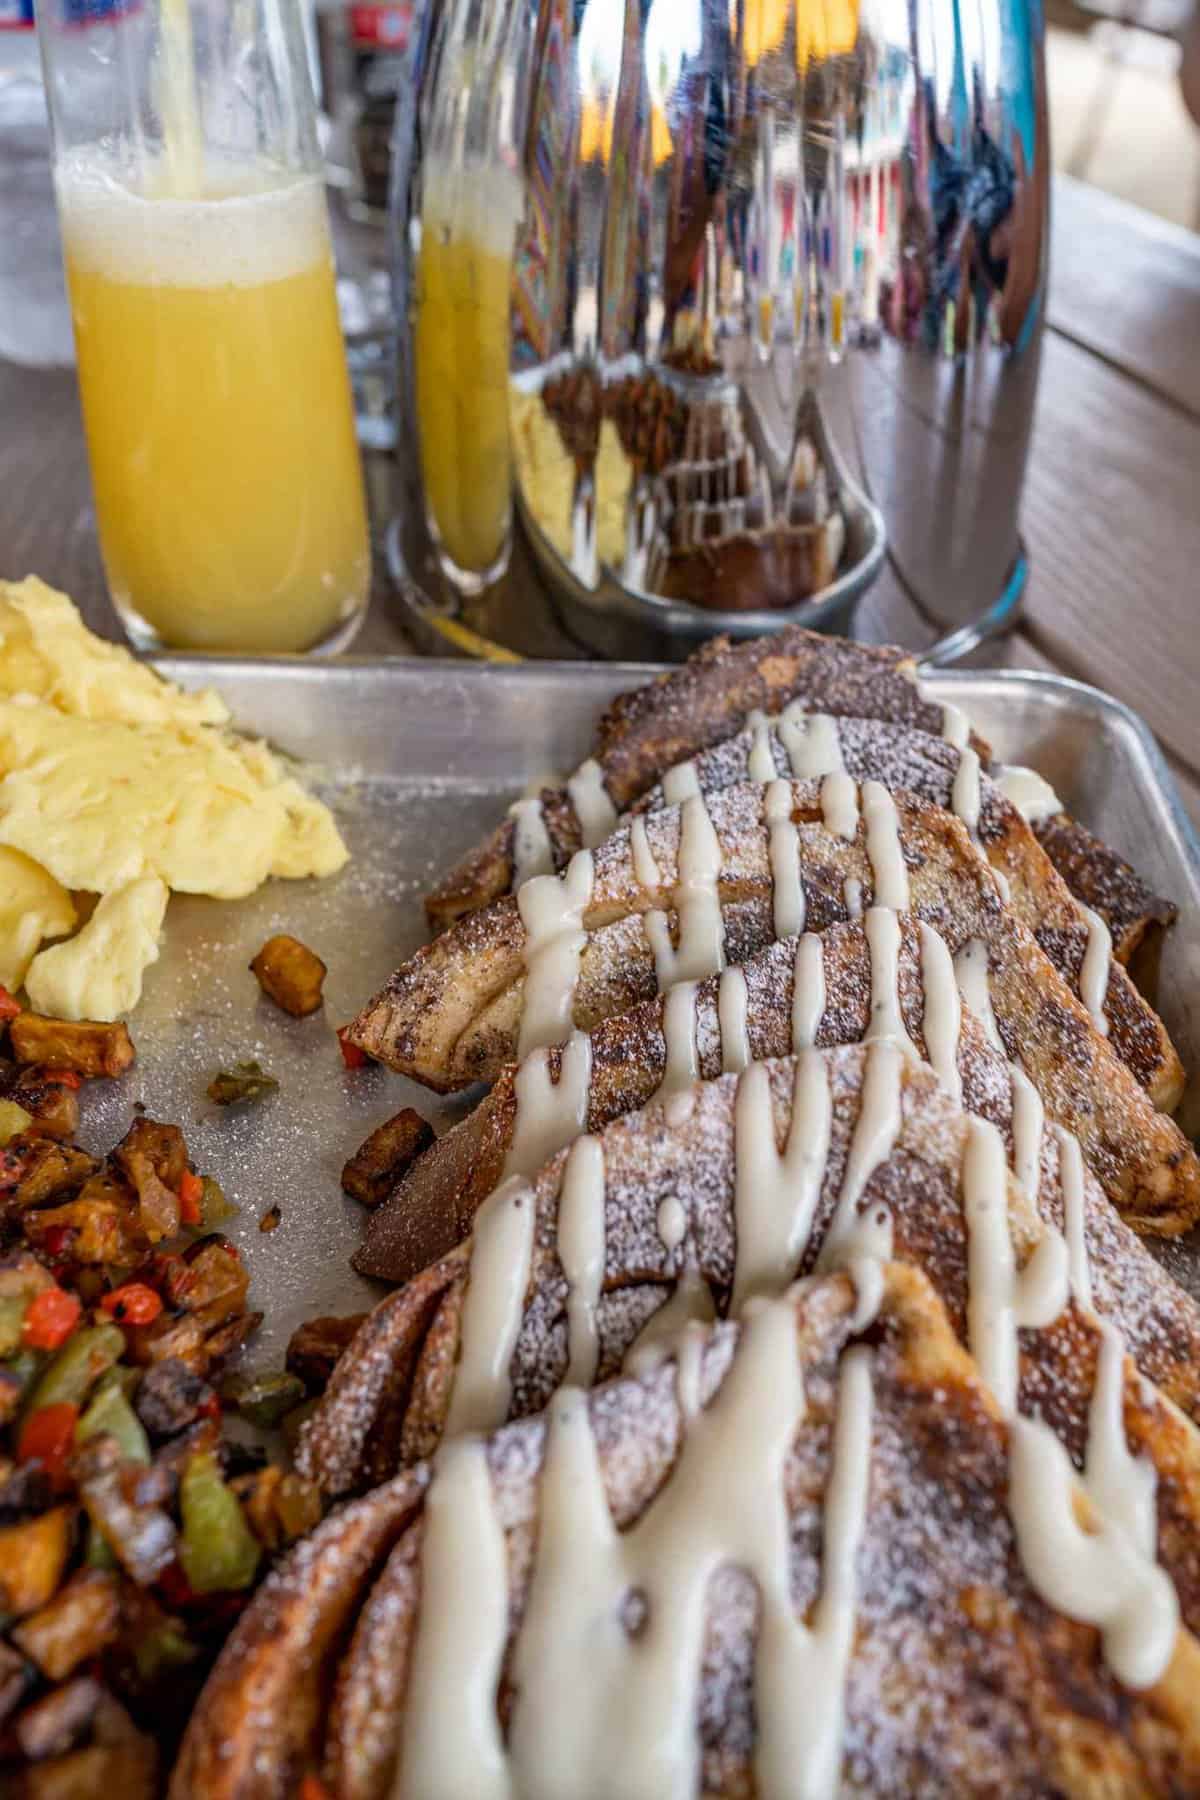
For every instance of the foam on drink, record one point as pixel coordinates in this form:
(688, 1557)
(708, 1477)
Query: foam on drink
(250, 226)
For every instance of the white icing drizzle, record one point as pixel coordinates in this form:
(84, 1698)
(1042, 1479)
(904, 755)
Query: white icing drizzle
(680, 783)
(862, 1242)
(1108, 1578)
(690, 1302)
(733, 1002)
(884, 853)
(644, 866)
(491, 1315)
(581, 1253)
(956, 727)
(776, 1195)
(942, 1020)
(784, 850)
(678, 1108)
(808, 991)
(839, 804)
(595, 811)
(672, 1222)
(1093, 973)
(761, 763)
(965, 795)
(812, 743)
(1028, 1126)
(682, 1067)
(1122, 1487)
(533, 853)
(549, 1113)
(971, 974)
(1070, 1180)
(451, 1741)
(1025, 789)
(998, 1299)
(883, 941)
(577, 1669)
(701, 948)
(852, 894)
(552, 909)
(1101, 1577)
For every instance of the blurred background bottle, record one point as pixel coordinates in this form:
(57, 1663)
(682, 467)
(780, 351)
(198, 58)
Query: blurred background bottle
(365, 51)
(35, 322)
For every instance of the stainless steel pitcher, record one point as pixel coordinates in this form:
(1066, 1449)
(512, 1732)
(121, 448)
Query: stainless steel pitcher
(721, 304)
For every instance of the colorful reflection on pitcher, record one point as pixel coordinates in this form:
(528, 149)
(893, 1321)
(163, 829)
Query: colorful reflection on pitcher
(776, 303)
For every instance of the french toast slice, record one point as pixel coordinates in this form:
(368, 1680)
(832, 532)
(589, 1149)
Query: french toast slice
(1135, 915)
(713, 697)
(815, 1551)
(687, 1192)
(840, 987)
(704, 700)
(452, 1014)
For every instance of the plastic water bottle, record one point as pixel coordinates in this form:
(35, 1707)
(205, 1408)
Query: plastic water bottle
(35, 320)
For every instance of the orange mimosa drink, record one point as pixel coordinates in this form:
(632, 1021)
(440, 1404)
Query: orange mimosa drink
(461, 353)
(224, 463)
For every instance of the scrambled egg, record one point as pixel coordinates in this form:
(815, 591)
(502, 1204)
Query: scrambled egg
(33, 907)
(117, 783)
(47, 653)
(98, 973)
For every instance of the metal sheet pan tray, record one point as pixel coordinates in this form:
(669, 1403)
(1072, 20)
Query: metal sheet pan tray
(419, 759)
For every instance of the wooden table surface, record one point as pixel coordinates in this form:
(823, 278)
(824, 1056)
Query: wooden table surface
(1112, 497)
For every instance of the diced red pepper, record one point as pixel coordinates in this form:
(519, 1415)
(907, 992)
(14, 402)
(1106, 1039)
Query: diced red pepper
(50, 1319)
(191, 1193)
(48, 1437)
(66, 1078)
(9, 1008)
(132, 1304)
(174, 1586)
(209, 1407)
(56, 1241)
(352, 1056)
(313, 1788)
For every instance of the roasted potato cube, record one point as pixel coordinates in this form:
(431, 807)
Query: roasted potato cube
(162, 1146)
(76, 1624)
(316, 1345)
(33, 1556)
(169, 1397)
(36, 1169)
(378, 1164)
(51, 1104)
(88, 1048)
(158, 1205)
(129, 1771)
(15, 1678)
(142, 1538)
(102, 1227)
(58, 1719)
(290, 974)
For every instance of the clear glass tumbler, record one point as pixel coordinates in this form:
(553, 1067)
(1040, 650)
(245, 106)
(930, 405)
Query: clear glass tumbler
(225, 469)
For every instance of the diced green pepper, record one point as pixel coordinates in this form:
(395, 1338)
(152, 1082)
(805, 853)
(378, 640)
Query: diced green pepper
(110, 1413)
(25, 1368)
(245, 1082)
(262, 1400)
(215, 1209)
(12, 1317)
(165, 1647)
(83, 1359)
(98, 1553)
(218, 1550)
